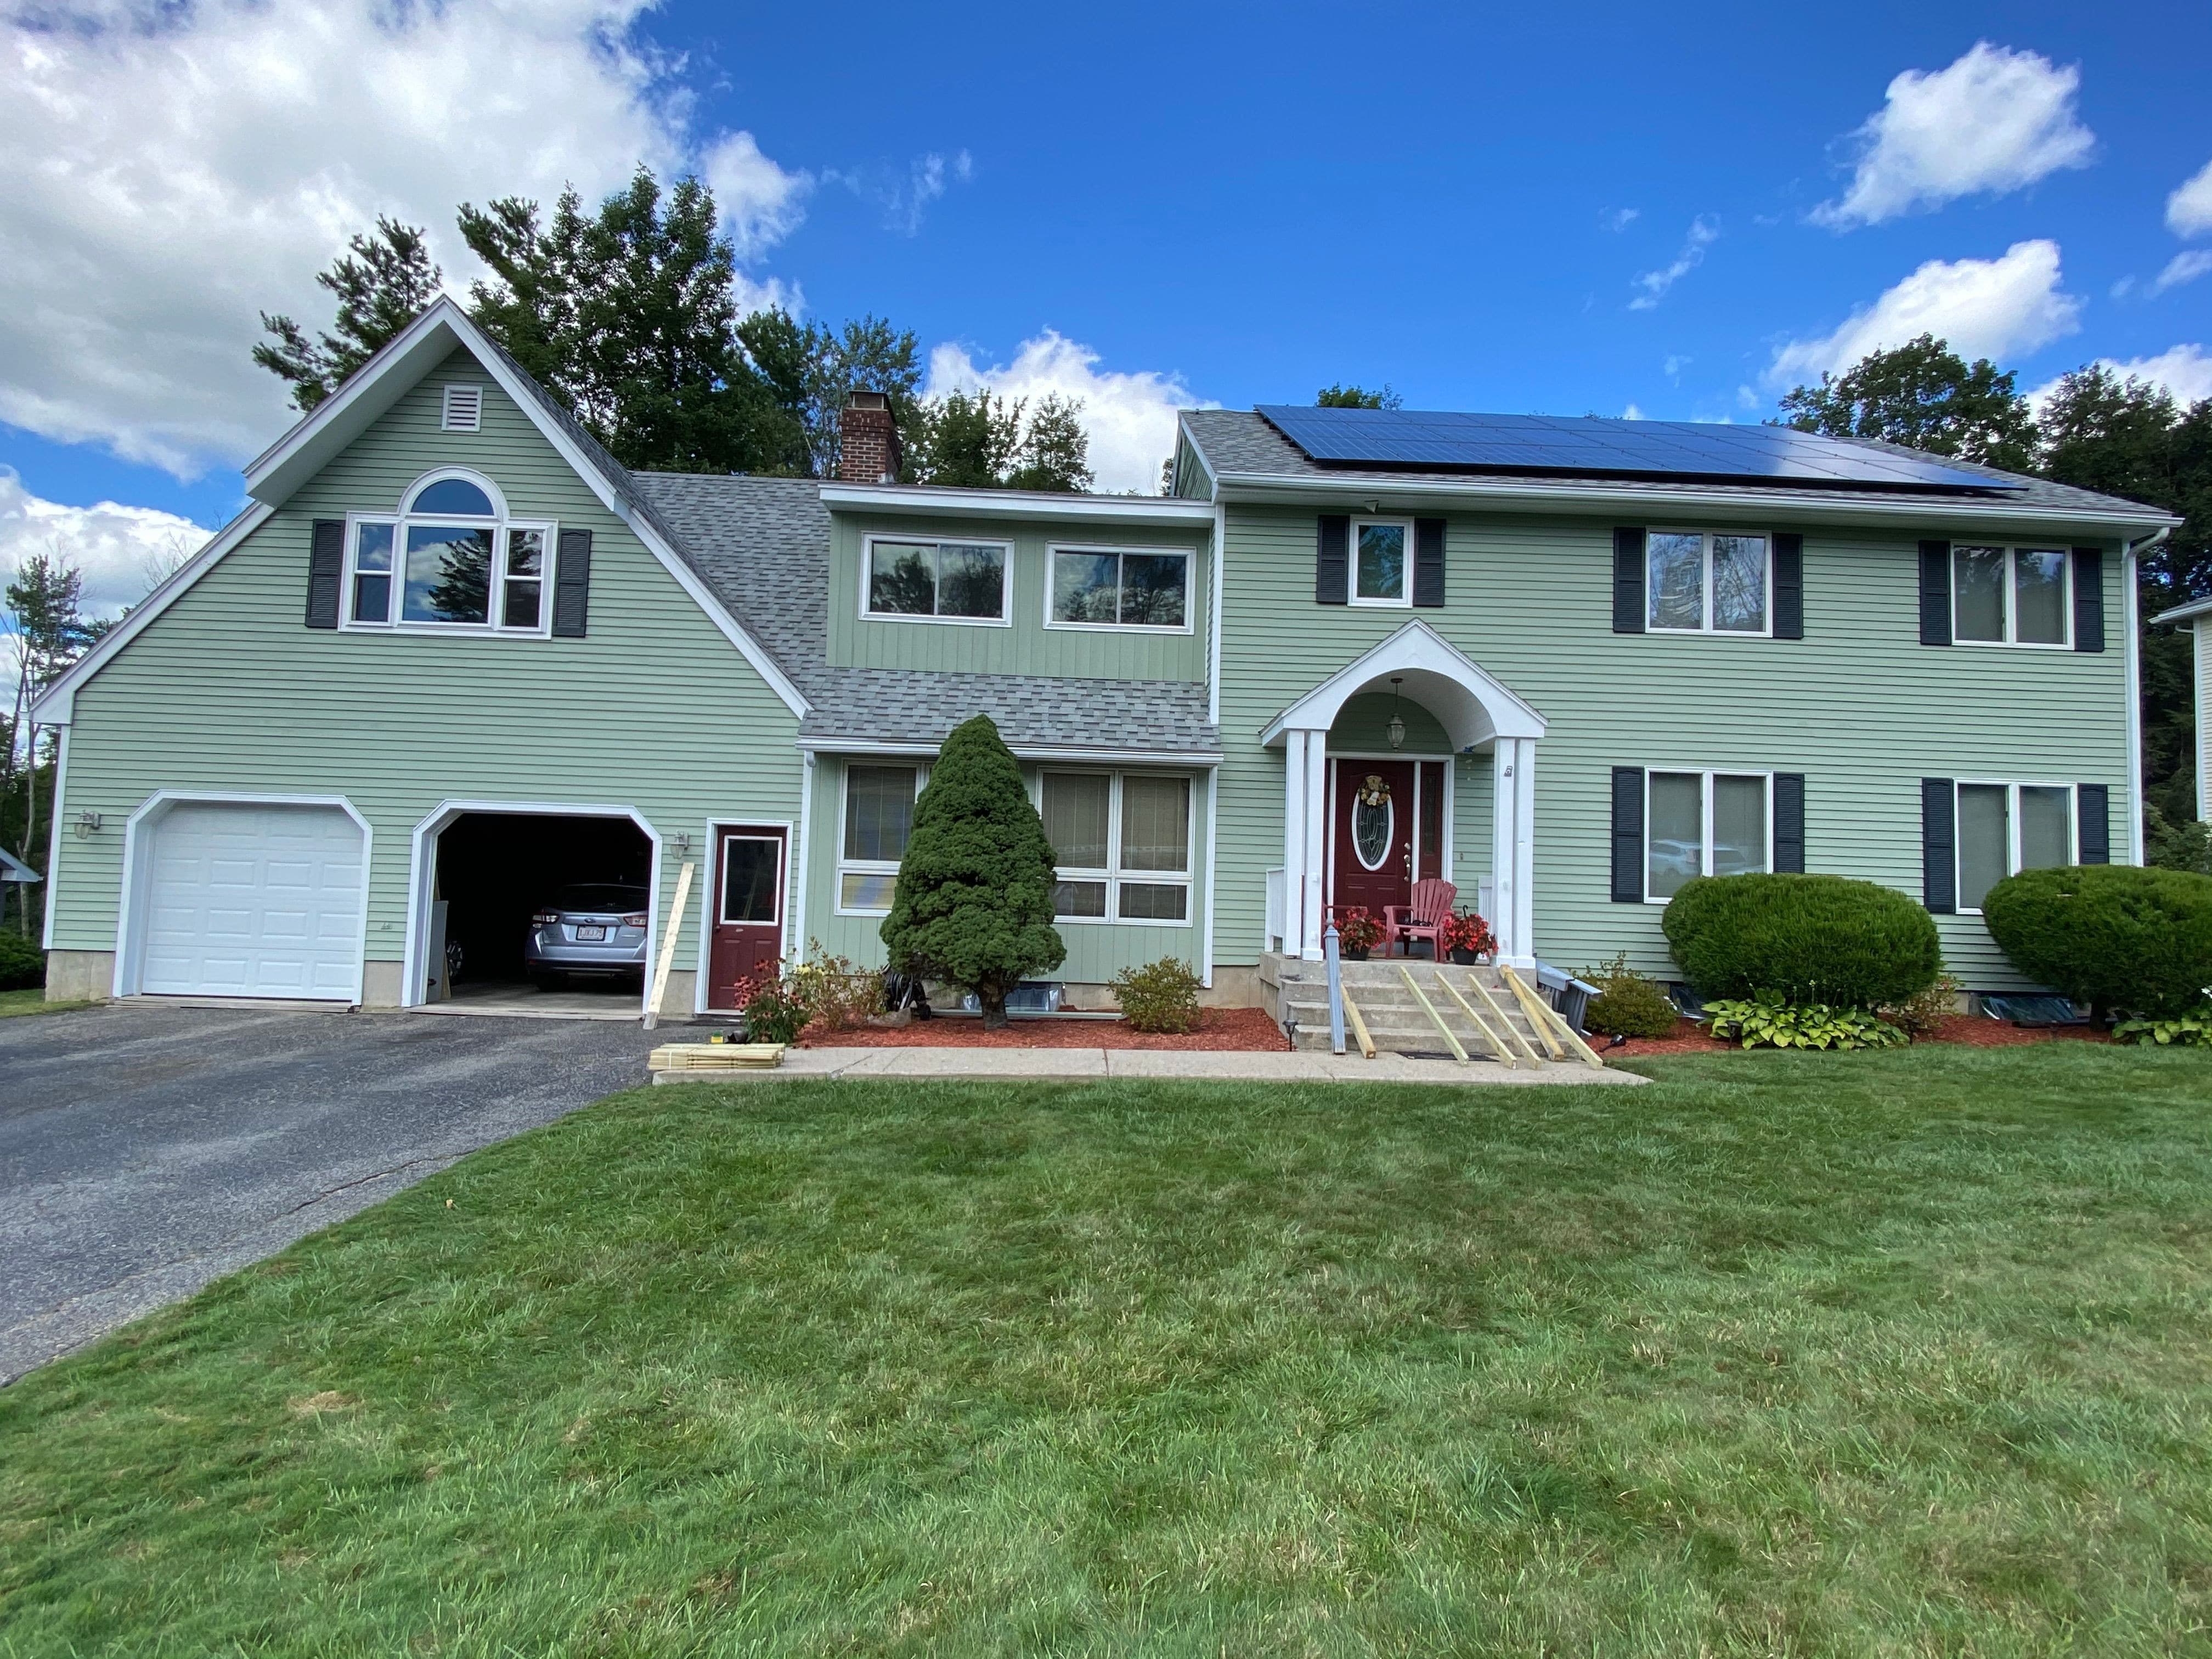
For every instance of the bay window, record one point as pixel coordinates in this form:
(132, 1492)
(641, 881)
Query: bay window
(1122, 843)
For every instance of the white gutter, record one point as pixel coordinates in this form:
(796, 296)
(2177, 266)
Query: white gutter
(2129, 551)
(1537, 495)
(1014, 504)
(1200, 759)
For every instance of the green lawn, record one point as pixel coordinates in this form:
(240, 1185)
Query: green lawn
(1882, 1353)
(33, 1001)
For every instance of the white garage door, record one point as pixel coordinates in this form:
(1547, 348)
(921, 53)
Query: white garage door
(253, 902)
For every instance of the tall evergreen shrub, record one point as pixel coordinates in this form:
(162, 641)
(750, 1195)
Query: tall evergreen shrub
(1814, 939)
(2116, 938)
(974, 900)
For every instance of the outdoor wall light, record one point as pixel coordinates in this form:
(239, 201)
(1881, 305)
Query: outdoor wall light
(87, 823)
(1397, 720)
(683, 841)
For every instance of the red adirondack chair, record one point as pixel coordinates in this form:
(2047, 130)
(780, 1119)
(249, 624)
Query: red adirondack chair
(1424, 918)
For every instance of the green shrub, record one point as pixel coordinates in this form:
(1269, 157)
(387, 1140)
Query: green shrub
(22, 964)
(2110, 935)
(1768, 1021)
(1810, 939)
(973, 905)
(1161, 996)
(1627, 1004)
(2190, 1030)
(777, 1005)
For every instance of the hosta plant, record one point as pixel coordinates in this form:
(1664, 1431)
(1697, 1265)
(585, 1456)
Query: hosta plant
(2192, 1030)
(1767, 1020)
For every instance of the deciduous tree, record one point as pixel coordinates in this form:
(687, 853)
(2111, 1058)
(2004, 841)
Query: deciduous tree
(1923, 395)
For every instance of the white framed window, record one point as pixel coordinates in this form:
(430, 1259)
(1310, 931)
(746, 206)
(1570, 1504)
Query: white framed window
(1381, 554)
(462, 409)
(1122, 843)
(2003, 829)
(1704, 582)
(1704, 823)
(1126, 589)
(914, 579)
(451, 560)
(2013, 596)
(876, 818)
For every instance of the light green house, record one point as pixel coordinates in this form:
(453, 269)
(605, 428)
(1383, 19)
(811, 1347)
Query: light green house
(454, 658)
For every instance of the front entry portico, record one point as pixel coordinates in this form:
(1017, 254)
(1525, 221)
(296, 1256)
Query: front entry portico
(1478, 712)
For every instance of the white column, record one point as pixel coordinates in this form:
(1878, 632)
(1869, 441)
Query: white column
(1294, 839)
(1524, 852)
(1311, 912)
(1504, 831)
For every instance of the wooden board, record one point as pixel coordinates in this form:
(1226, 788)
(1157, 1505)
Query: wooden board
(715, 1056)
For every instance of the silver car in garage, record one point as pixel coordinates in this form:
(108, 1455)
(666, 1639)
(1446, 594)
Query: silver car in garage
(590, 928)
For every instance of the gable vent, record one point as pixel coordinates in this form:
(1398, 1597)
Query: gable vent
(463, 408)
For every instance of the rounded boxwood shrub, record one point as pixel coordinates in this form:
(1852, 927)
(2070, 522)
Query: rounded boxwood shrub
(2110, 935)
(1813, 938)
(22, 964)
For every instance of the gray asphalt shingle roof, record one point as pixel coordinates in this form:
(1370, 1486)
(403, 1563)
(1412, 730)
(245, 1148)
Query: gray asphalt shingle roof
(1240, 441)
(763, 545)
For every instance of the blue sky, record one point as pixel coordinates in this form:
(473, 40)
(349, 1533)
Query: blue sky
(1223, 203)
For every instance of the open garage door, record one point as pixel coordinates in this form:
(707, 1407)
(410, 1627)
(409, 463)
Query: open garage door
(248, 900)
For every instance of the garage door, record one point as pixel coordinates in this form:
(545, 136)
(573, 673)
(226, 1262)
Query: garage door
(253, 902)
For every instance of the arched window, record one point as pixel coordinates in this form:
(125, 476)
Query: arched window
(450, 558)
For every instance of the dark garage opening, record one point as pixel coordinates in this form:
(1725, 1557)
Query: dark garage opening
(496, 870)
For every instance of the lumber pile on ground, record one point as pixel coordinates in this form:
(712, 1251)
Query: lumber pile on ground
(715, 1057)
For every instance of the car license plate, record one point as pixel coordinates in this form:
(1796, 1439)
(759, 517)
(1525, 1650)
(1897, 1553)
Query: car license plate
(591, 932)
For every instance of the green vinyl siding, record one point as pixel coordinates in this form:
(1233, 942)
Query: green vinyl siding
(227, 690)
(1097, 951)
(1859, 705)
(1026, 644)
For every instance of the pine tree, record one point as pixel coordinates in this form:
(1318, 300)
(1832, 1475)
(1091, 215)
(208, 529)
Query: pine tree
(973, 905)
(1055, 451)
(386, 282)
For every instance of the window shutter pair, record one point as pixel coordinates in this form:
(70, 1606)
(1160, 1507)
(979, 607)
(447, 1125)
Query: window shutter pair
(2088, 596)
(1628, 579)
(1787, 852)
(572, 578)
(1333, 561)
(1939, 838)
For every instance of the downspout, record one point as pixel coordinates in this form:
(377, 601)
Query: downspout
(2129, 608)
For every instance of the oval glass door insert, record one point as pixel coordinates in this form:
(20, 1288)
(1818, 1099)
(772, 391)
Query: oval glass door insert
(1373, 818)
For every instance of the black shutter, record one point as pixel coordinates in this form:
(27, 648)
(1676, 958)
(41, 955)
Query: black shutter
(1935, 595)
(1429, 562)
(326, 572)
(1789, 586)
(1628, 834)
(1628, 582)
(1330, 545)
(2092, 827)
(572, 584)
(2088, 601)
(1939, 865)
(1790, 823)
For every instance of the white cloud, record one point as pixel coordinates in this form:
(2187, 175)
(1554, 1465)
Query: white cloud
(177, 168)
(2183, 370)
(1130, 417)
(2182, 268)
(1655, 284)
(1994, 308)
(905, 196)
(1631, 413)
(1622, 218)
(121, 550)
(2188, 209)
(1996, 120)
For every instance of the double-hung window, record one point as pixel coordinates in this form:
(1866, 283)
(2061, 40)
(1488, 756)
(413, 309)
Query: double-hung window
(2012, 596)
(2006, 828)
(1382, 561)
(879, 818)
(1704, 824)
(1120, 587)
(1122, 840)
(1707, 582)
(935, 581)
(451, 558)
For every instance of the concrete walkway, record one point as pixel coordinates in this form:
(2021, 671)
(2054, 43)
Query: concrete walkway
(1008, 1064)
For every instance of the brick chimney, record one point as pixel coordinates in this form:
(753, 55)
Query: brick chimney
(868, 440)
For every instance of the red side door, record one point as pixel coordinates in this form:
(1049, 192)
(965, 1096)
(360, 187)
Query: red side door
(1371, 835)
(748, 925)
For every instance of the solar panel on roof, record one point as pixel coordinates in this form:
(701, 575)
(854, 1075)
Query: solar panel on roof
(1437, 440)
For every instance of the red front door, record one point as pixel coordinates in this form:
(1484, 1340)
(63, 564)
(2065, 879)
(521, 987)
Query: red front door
(1372, 820)
(748, 926)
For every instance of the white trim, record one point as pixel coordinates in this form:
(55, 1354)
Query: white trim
(738, 827)
(1187, 554)
(1012, 504)
(54, 840)
(1111, 875)
(790, 902)
(1185, 436)
(130, 925)
(2131, 648)
(1352, 595)
(422, 871)
(1213, 606)
(1213, 834)
(467, 475)
(1003, 619)
(2012, 787)
(470, 400)
(862, 748)
(502, 524)
(2012, 550)
(1707, 538)
(1429, 663)
(864, 867)
(1705, 775)
(801, 876)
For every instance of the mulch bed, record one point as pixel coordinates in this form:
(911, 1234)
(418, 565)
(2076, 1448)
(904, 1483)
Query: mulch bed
(1244, 1030)
(1970, 1030)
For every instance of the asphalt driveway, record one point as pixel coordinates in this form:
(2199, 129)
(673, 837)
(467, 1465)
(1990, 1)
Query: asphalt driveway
(145, 1151)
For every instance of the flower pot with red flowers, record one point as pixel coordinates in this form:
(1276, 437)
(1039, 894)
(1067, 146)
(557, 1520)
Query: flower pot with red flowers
(1468, 939)
(1357, 934)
